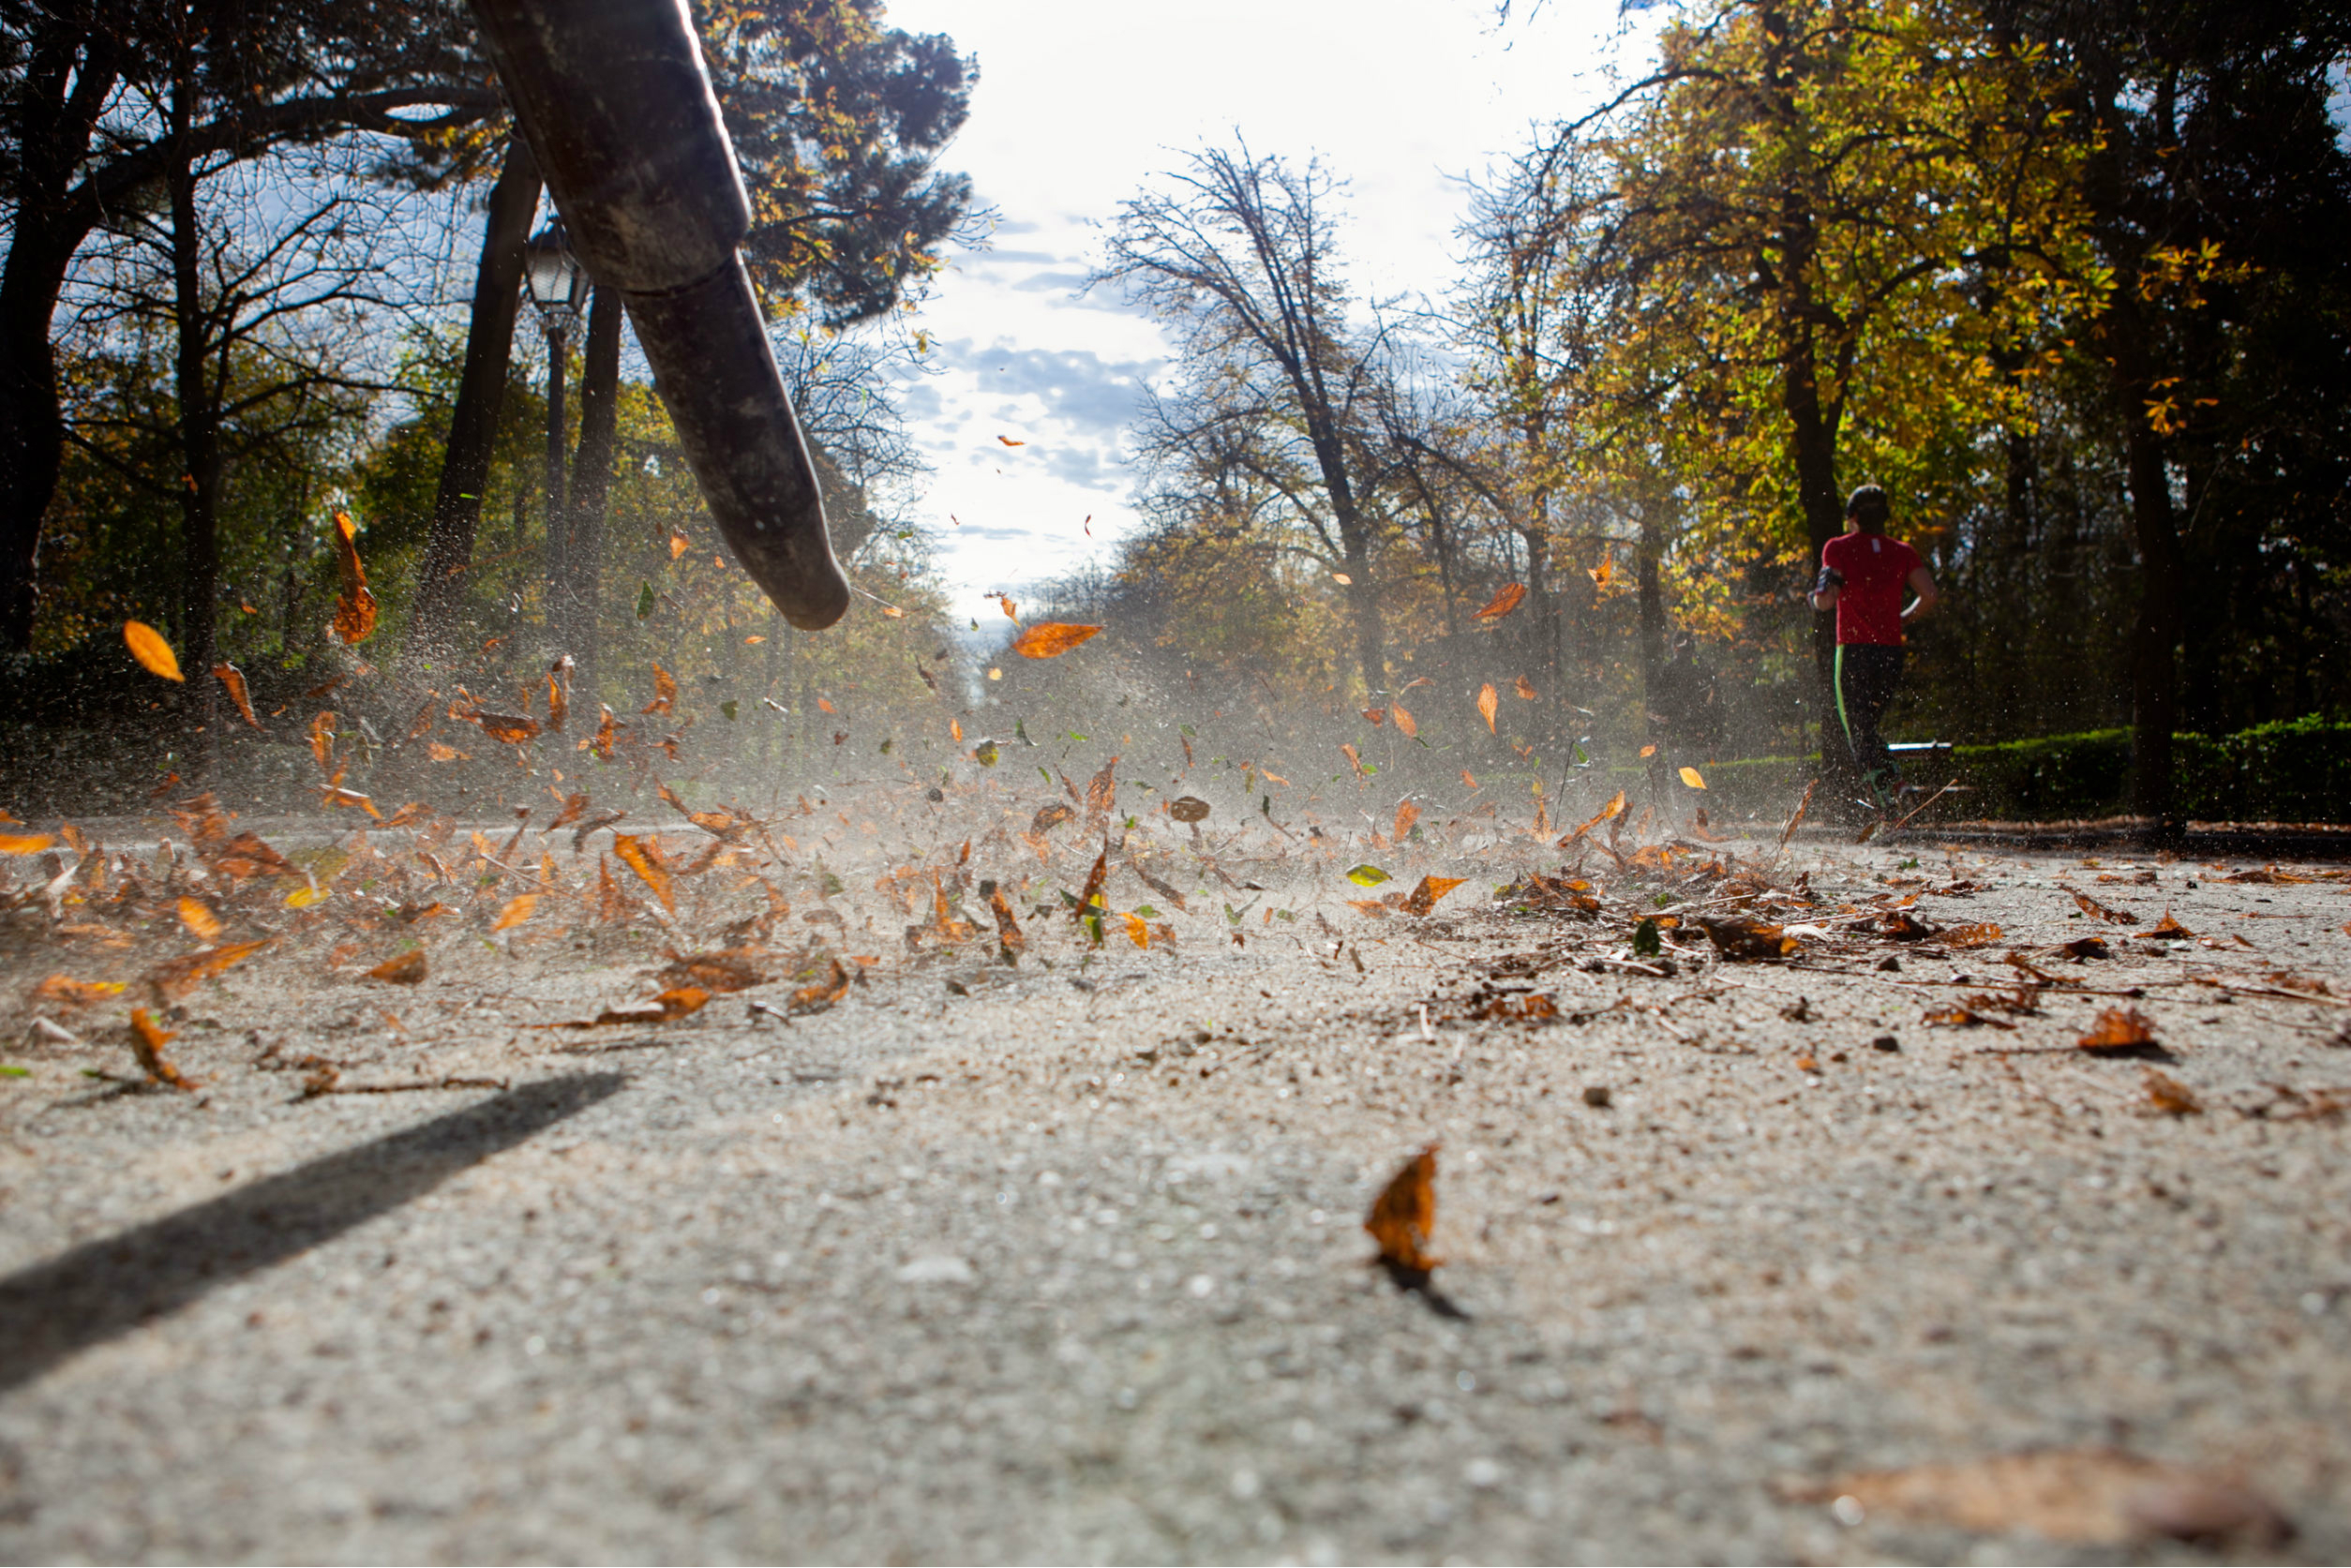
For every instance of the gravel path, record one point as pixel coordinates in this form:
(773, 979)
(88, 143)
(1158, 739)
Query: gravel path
(991, 1263)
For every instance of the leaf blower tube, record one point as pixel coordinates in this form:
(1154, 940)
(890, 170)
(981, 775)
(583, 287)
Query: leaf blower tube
(613, 99)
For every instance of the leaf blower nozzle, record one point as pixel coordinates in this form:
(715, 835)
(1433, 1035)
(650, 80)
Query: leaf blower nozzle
(612, 97)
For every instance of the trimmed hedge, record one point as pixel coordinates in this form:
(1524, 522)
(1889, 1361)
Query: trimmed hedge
(2295, 771)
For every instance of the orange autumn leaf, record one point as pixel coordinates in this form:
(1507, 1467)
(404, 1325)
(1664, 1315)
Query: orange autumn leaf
(1404, 720)
(1616, 805)
(355, 607)
(679, 544)
(1691, 777)
(440, 752)
(71, 992)
(667, 1008)
(25, 843)
(1406, 815)
(825, 705)
(517, 911)
(1423, 899)
(559, 693)
(199, 919)
(1050, 639)
(1505, 600)
(1469, 780)
(1486, 704)
(153, 654)
(1377, 716)
(1648, 752)
(574, 807)
(335, 795)
(1526, 688)
(175, 975)
(1972, 937)
(511, 729)
(1404, 1214)
(643, 857)
(1343, 579)
(407, 969)
(147, 1040)
(322, 736)
(1009, 441)
(1352, 760)
(955, 728)
(2118, 1030)
(233, 678)
(1137, 931)
(664, 693)
(1602, 573)
(823, 993)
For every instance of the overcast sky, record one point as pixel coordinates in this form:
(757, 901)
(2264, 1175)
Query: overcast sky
(1078, 101)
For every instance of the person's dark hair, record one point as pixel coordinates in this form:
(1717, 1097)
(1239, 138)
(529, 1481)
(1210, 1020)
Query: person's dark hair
(1867, 507)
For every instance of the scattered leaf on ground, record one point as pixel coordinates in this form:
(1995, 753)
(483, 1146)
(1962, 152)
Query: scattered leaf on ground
(517, 910)
(2170, 1095)
(1366, 875)
(1487, 705)
(2119, 1029)
(2097, 1496)
(1403, 1217)
(1423, 898)
(199, 918)
(1692, 778)
(643, 857)
(406, 970)
(147, 1040)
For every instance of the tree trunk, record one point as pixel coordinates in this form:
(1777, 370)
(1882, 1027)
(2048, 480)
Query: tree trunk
(591, 471)
(481, 389)
(32, 427)
(2155, 528)
(558, 525)
(200, 458)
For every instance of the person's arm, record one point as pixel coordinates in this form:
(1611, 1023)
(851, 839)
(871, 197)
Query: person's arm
(1826, 586)
(1921, 582)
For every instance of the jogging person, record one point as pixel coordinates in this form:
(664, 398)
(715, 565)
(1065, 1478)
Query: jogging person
(1862, 576)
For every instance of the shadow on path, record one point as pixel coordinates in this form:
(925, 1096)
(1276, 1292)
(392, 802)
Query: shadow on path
(55, 1310)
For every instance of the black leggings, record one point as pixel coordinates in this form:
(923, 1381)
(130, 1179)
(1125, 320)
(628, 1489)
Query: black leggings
(1867, 675)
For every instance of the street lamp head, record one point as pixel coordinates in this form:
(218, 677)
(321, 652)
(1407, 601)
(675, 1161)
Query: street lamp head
(557, 282)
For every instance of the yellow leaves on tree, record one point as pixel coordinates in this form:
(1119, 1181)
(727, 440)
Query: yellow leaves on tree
(355, 607)
(1506, 600)
(1050, 639)
(153, 654)
(1403, 1217)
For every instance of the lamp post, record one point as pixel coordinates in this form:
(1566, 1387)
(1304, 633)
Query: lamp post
(558, 286)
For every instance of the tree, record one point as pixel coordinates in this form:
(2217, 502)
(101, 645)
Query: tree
(78, 142)
(1240, 253)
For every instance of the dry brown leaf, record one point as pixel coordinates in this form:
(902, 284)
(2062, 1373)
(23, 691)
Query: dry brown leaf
(2097, 911)
(517, 910)
(1189, 808)
(1008, 930)
(1487, 705)
(153, 654)
(1506, 599)
(1404, 720)
(2170, 1095)
(1525, 688)
(1403, 1217)
(355, 608)
(407, 968)
(2169, 927)
(199, 919)
(322, 738)
(1602, 573)
(1531, 1005)
(1354, 761)
(816, 998)
(678, 544)
(1102, 790)
(664, 693)
(2085, 948)
(1972, 937)
(175, 975)
(1137, 930)
(65, 991)
(25, 843)
(147, 1040)
(1615, 808)
(643, 857)
(511, 729)
(1735, 937)
(233, 678)
(2097, 1496)
(574, 807)
(1423, 899)
(1692, 778)
(2119, 1029)
(558, 693)
(1090, 901)
(667, 1008)
(1376, 715)
(440, 752)
(1406, 815)
(1050, 639)
(1053, 813)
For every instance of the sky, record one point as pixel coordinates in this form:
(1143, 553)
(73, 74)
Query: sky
(1077, 105)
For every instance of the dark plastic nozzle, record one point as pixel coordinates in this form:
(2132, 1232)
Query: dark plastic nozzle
(614, 100)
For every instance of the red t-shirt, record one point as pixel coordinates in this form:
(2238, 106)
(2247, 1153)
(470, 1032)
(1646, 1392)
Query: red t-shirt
(1869, 605)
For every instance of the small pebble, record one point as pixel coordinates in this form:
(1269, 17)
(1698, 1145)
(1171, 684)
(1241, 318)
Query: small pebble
(1885, 1042)
(1596, 1096)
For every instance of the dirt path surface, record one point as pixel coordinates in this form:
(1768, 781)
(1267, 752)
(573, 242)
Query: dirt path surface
(1065, 1260)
